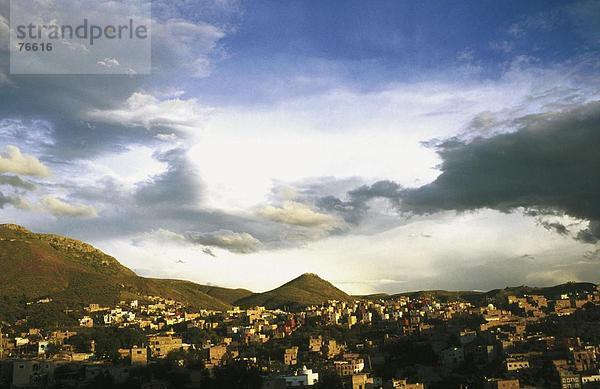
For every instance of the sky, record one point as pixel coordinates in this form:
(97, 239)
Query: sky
(386, 146)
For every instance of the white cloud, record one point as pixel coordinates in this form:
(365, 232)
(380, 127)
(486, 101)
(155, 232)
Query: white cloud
(13, 161)
(61, 208)
(299, 214)
(159, 236)
(109, 62)
(145, 110)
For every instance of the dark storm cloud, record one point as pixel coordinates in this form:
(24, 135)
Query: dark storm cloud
(381, 189)
(549, 167)
(549, 164)
(356, 206)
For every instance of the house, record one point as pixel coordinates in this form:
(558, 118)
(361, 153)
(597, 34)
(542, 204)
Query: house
(31, 373)
(569, 380)
(516, 364)
(86, 321)
(160, 346)
(352, 364)
(314, 344)
(138, 356)
(359, 381)
(290, 356)
(396, 383)
(304, 377)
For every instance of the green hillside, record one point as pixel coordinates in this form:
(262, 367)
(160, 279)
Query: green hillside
(75, 273)
(308, 289)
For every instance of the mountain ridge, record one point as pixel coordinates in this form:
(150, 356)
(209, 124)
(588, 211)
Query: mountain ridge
(74, 272)
(497, 295)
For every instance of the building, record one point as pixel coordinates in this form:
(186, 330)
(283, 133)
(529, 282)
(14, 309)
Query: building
(304, 377)
(218, 355)
(86, 321)
(290, 356)
(396, 383)
(331, 349)
(138, 356)
(352, 364)
(584, 360)
(42, 346)
(467, 336)
(359, 381)
(513, 364)
(569, 380)
(590, 379)
(315, 344)
(31, 373)
(499, 383)
(452, 357)
(160, 346)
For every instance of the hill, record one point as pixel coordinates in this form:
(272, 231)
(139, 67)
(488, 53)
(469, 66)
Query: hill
(496, 296)
(75, 273)
(308, 289)
(499, 295)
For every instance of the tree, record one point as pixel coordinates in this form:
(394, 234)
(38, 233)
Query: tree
(237, 375)
(329, 379)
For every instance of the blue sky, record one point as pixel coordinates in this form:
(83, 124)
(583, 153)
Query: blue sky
(385, 146)
(369, 47)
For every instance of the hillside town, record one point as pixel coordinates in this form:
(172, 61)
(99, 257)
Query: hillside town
(411, 342)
